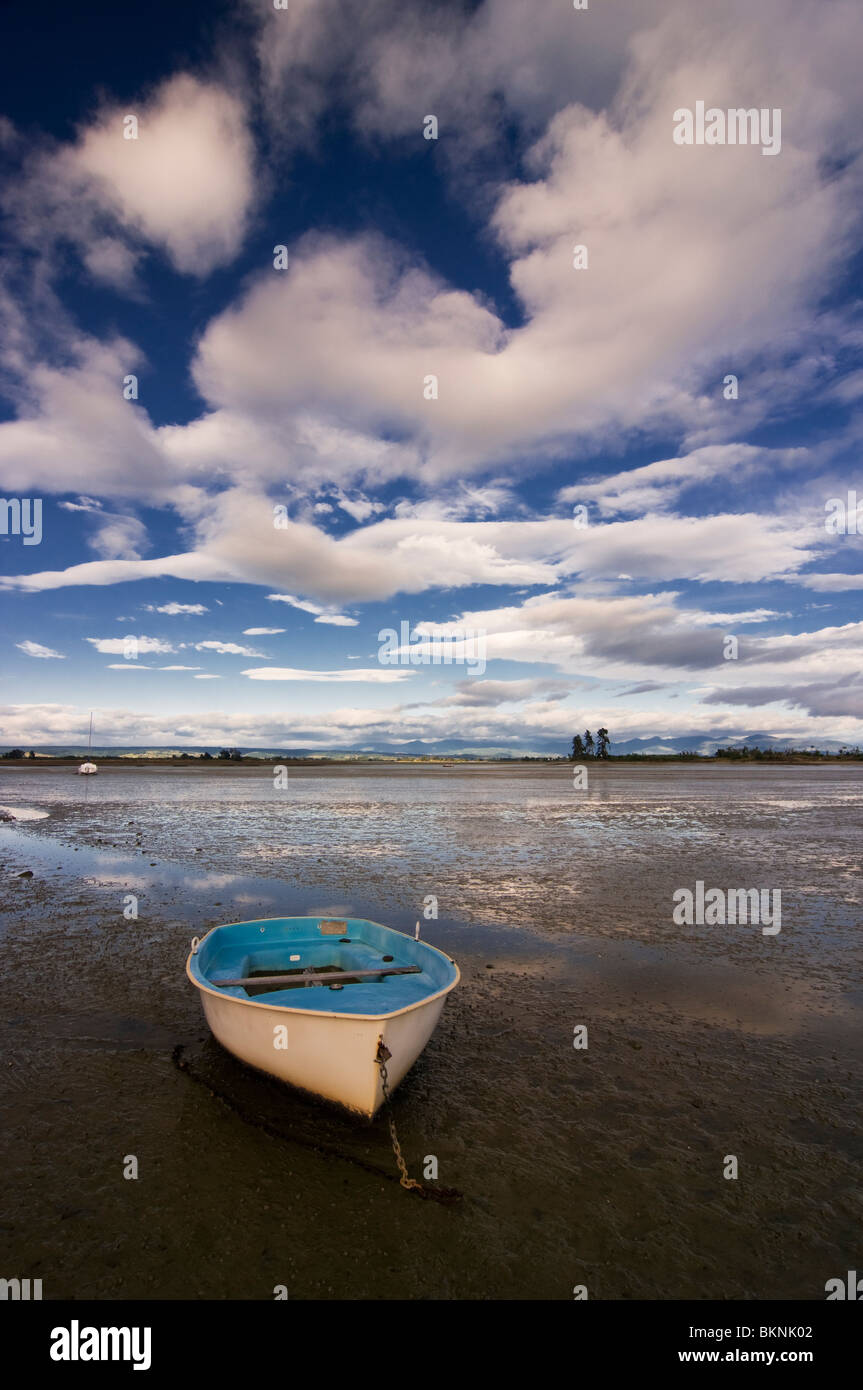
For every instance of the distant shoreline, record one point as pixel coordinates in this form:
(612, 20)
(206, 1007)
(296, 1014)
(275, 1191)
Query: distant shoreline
(195, 762)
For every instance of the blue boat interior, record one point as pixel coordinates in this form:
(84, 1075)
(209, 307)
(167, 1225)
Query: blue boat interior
(294, 945)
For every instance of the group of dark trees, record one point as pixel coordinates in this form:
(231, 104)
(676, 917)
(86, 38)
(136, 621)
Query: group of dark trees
(224, 755)
(767, 755)
(19, 753)
(584, 745)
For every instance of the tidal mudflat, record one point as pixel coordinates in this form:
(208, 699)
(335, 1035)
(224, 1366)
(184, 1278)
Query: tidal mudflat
(599, 1166)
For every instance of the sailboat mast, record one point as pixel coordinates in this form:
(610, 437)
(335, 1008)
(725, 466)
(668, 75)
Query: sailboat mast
(88, 768)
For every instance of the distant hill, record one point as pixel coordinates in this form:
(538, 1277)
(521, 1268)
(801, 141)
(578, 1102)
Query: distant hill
(707, 744)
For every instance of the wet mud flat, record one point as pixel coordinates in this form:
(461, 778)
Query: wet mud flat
(600, 1167)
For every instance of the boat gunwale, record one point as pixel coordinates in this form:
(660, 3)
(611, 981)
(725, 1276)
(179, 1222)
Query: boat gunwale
(322, 1013)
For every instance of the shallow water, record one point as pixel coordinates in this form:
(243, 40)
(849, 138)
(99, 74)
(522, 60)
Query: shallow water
(601, 1166)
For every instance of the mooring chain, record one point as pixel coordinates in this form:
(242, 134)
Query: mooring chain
(382, 1057)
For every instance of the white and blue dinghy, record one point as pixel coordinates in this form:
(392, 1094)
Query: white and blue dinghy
(318, 1002)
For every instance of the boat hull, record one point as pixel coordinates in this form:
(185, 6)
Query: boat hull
(331, 1057)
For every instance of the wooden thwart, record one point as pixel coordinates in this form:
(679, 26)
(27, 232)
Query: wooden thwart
(333, 977)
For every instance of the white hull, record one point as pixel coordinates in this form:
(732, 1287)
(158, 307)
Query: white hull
(331, 1055)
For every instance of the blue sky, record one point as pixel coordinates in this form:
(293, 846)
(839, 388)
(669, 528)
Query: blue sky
(430, 415)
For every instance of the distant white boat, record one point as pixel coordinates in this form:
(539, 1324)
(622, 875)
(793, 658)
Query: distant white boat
(88, 769)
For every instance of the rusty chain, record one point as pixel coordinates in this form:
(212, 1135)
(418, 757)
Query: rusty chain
(382, 1057)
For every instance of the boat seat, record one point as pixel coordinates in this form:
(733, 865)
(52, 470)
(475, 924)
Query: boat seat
(315, 953)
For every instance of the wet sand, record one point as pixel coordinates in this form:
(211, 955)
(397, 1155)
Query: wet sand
(601, 1167)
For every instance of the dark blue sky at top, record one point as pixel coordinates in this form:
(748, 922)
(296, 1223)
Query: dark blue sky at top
(58, 61)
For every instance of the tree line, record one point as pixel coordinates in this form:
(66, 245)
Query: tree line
(585, 746)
